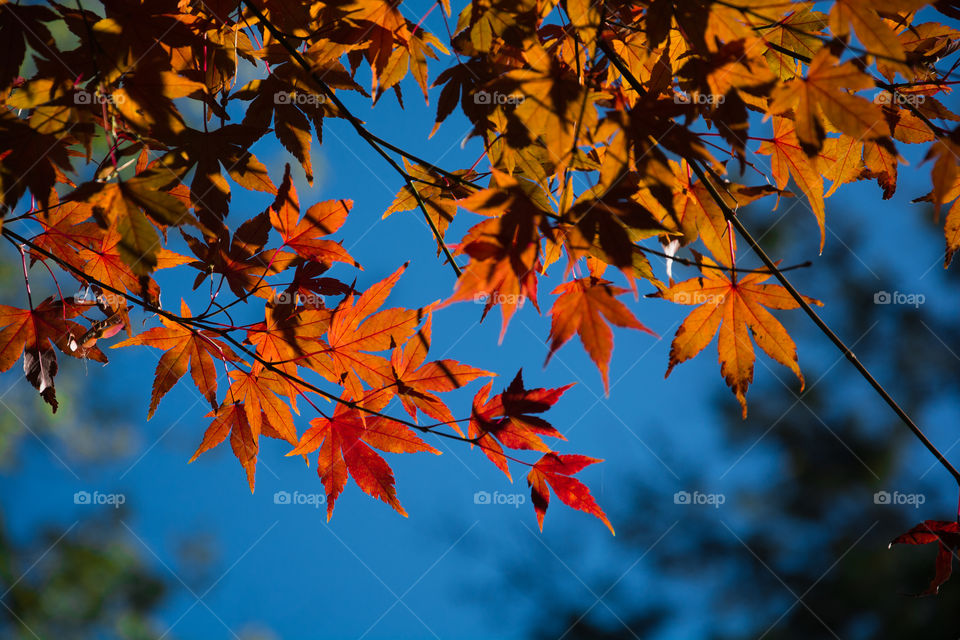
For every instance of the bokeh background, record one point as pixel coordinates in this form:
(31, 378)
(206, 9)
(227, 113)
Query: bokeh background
(797, 549)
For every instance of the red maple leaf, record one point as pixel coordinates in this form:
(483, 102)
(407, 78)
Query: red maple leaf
(347, 441)
(505, 420)
(947, 534)
(556, 470)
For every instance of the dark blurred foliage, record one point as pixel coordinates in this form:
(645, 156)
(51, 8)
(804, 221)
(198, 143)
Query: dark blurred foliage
(88, 582)
(85, 581)
(799, 549)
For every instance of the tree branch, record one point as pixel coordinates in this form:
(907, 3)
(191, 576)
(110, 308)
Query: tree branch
(731, 217)
(357, 125)
(194, 323)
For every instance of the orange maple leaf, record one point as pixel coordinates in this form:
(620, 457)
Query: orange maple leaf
(303, 235)
(788, 160)
(254, 410)
(185, 347)
(356, 329)
(732, 306)
(414, 380)
(582, 306)
(828, 87)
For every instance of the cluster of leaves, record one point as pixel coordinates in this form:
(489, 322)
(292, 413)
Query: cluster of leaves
(590, 116)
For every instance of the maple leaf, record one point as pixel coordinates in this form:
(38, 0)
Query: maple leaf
(797, 33)
(729, 69)
(880, 159)
(356, 328)
(62, 235)
(512, 21)
(18, 26)
(32, 333)
(257, 390)
(103, 262)
(286, 98)
(840, 161)
(611, 221)
(731, 306)
(552, 101)
(185, 347)
(233, 420)
(506, 419)
(944, 192)
(556, 471)
(875, 36)
(38, 159)
(286, 339)
(583, 305)
(414, 381)
(504, 250)
(204, 153)
(120, 206)
(441, 203)
(146, 98)
(457, 82)
(378, 30)
(347, 442)
(310, 284)
(947, 537)
(413, 56)
(245, 263)
(687, 210)
(788, 159)
(585, 17)
(254, 410)
(827, 87)
(303, 235)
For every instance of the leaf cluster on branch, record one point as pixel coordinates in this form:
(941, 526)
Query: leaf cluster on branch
(609, 131)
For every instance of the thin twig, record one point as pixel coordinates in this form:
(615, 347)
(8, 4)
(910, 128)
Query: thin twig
(731, 217)
(194, 323)
(353, 120)
(817, 320)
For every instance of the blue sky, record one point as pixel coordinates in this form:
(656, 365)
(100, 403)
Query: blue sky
(369, 572)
